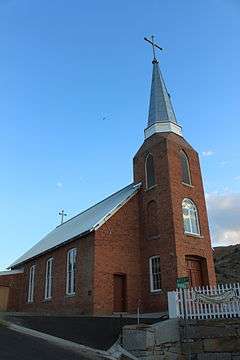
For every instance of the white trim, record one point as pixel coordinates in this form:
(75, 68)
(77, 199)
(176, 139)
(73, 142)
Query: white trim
(151, 273)
(48, 279)
(160, 127)
(11, 272)
(195, 209)
(31, 283)
(70, 290)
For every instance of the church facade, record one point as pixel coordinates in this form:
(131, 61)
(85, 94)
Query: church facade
(129, 249)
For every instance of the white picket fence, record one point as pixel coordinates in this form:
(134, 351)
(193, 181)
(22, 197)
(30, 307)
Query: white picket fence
(182, 303)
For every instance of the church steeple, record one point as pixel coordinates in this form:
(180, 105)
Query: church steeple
(160, 107)
(161, 116)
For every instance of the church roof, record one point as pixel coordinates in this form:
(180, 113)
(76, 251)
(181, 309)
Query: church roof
(81, 224)
(160, 106)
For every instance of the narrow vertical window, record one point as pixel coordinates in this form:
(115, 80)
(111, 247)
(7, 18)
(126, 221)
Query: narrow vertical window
(190, 217)
(71, 272)
(31, 282)
(155, 273)
(49, 279)
(150, 172)
(186, 176)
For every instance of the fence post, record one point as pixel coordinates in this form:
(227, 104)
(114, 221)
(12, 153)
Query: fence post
(173, 306)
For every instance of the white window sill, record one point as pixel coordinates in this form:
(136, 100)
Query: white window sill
(194, 235)
(70, 295)
(155, 292)
(188, 185)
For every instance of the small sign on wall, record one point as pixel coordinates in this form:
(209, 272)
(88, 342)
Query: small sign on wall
(183, 282)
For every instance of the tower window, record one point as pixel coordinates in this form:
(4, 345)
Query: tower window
(190, 217)
(71, 272)
(31, 283)
(155, 273)
(186, 176)
(150, 173)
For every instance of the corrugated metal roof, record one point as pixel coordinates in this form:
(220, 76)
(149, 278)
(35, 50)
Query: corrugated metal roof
(82, 223)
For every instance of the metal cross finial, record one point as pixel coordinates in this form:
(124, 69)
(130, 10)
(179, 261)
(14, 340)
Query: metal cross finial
(153, 46)
(62, 214)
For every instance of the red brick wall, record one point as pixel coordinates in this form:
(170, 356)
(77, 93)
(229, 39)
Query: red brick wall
(125, 243)
(81, 302)
(172, 245)
(15, 283)
(185, 244)
(117, 251)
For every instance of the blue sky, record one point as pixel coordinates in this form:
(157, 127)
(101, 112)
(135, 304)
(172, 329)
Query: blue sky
(67, 65)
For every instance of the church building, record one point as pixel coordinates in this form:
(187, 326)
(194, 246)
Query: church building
(130, 248)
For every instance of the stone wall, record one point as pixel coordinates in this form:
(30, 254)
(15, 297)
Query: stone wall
(176, 339)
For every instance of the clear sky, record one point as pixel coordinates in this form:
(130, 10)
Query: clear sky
(74, 91)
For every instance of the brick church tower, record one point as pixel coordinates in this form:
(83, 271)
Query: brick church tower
(175, 240)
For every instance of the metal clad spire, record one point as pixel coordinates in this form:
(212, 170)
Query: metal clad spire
(160, 106)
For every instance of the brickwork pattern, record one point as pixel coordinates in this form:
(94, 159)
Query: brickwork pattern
(81, 302)
(117, 252)
(15, 284)
(172, 244)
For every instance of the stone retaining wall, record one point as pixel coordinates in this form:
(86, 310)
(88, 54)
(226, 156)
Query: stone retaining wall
(176, 339)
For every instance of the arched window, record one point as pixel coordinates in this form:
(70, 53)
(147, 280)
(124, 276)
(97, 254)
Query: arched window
(152, 219)
(186, 176)
(150, 173)
(190, 217)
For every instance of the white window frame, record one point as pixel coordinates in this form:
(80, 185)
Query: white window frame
(71, 273)
(152, 275)
(195, 211)
(48, 279)
(31, 283)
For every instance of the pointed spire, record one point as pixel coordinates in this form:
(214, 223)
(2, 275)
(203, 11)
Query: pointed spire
(160, 107)
(161, 116)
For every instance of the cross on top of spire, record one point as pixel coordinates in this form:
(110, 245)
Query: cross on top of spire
(161, 116)
(154, 45)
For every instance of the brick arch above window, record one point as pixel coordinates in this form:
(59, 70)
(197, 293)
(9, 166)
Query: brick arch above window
(149, 171)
